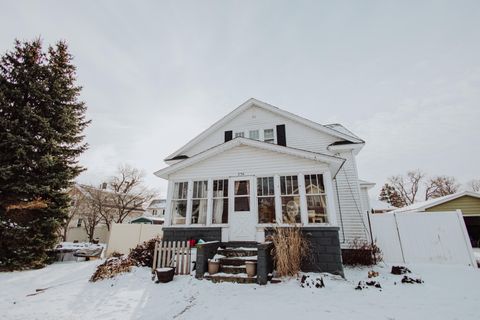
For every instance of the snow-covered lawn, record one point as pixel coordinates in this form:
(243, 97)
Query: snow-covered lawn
(448, 293)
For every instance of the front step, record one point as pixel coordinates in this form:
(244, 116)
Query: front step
(233, 269)
(224, 277)
(231, 252)
(236, 261)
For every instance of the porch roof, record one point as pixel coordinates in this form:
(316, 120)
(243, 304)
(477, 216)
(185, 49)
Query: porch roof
(335, 163)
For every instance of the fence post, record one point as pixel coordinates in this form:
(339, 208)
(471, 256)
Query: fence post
(155, 255)
(399, 238)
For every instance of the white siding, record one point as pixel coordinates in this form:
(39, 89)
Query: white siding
(245, 160)
(350, 214)
(298, 135)
(365, 199)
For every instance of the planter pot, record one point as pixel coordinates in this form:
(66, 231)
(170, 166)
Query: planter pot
(165, 275)
(213, 266)
(251, 267)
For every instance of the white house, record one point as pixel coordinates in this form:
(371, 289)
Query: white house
(261, 166)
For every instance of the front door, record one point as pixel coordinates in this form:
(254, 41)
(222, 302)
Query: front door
(242, 220)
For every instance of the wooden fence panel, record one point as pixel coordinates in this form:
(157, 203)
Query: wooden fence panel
(173, 254)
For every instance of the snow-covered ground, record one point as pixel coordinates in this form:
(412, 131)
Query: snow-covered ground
(448, 293)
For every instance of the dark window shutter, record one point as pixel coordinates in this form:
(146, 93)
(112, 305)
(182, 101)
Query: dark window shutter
(228, 135)
(281, 137)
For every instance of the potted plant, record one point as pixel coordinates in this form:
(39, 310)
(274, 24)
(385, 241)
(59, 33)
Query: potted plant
(165, 275)
(213, 266)
(251, 267)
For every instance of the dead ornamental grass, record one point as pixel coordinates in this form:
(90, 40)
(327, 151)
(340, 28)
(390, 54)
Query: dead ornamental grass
(290, 249)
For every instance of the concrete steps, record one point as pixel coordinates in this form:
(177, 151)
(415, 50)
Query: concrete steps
(232, 261)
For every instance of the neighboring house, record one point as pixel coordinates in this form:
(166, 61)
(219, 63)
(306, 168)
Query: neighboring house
(261, 166)
(148, 220)
(76, 228)
(378, 206)
(156, 208)
(466, 201)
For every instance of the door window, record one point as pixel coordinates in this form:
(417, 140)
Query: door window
(242, 195)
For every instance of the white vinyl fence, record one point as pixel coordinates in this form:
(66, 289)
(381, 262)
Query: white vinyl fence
(124, 237)
(419, 237)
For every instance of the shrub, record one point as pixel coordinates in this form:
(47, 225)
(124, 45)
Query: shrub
(361, 253)
(290, 249)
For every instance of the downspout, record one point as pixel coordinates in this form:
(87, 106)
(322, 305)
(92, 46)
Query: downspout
(340, 211)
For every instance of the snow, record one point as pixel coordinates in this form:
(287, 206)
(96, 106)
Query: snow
(448, 292)
(79, 245)
(476, 253)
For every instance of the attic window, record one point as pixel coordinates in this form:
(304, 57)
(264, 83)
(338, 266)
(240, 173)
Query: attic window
(239, 134)
(268, 136)
(254, 134)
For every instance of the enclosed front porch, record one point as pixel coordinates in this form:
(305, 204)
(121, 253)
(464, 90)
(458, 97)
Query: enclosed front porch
(241, 208)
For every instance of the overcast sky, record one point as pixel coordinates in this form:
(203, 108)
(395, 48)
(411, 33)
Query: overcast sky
(404, 76)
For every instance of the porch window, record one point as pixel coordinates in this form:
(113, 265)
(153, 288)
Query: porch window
(266, 200)
(253, 134)
(268, 136)
(242, 195)
(290, 198)
(220, 201)
(179, 203)
(199, 202)
(316, 198)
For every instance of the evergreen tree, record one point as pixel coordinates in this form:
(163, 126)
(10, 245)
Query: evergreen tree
(41, 124)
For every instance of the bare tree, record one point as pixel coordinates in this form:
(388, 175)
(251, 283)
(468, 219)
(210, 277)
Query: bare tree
(101, 201)
(407, 186)
(474, 185)
(440, 186)
(91, 218)
(128, 192)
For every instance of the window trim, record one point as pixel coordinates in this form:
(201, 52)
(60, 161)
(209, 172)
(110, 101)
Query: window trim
(324, 194)
(224, 197)
(239, 134)
(274, 138)
(174, 198)
(257, 197)
(194, 197)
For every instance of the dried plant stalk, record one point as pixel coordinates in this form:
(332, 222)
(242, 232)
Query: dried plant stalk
(290, 249)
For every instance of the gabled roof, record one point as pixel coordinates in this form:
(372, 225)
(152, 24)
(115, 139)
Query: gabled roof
(334, 162)
(422, 206)
(334, 131)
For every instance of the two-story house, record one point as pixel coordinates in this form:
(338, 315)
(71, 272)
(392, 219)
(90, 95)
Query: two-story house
(261, 166)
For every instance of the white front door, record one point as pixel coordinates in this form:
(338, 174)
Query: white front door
(242, 219)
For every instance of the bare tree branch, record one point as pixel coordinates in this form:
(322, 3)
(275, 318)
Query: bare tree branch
(407, 187)
(128, 192)
(440, 186)
(474, 185)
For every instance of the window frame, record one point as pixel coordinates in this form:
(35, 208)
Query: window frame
(175, 199)
(273, 139)
(292, 194)
(257, 131)
(225, 181)
(321, 193)
(273, 196)
(239, 134)
(196, 197)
